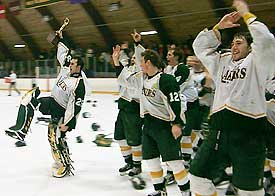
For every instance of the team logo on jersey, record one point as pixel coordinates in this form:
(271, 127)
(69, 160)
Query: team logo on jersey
(231, 75)
(149, 92)
(60, 83)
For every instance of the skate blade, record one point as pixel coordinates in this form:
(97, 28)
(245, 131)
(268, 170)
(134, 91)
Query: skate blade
(171, 182)
(123, 173)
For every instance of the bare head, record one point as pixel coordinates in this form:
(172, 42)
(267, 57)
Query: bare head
(76, 65)
(174, 56)
(151, 62)
(241, 45)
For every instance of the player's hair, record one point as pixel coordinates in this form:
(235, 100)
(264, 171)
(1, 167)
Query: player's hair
(177, 52)
(153, 57)
(79, 61)
(246, 35)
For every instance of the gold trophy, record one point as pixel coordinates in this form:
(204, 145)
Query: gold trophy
(53, 37)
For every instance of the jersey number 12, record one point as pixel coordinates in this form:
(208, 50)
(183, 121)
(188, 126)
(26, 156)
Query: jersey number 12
(174, 96)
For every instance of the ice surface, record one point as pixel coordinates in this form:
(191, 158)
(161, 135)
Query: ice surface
(26, 171)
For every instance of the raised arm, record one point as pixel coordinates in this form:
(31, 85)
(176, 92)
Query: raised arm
(63, 52)
(138, 47)
(263, 46)
(126, 77)
(207, 42)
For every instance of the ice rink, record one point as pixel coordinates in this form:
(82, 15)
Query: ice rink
(26, 171)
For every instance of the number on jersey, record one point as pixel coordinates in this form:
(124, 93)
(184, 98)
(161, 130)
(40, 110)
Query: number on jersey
(174, 96)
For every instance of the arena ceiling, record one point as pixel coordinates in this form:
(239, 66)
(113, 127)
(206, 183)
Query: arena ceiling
(104, 22)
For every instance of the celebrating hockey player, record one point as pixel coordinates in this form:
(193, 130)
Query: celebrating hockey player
(128, 127)
(63, 105)
(239, 110)
(160, 107)
(189, 103)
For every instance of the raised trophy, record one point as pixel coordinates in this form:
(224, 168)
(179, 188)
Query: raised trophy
(53, 37)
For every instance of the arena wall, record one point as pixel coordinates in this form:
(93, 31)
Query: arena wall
(98, 85)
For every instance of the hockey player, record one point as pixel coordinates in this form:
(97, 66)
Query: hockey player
(160, 108)
(189, 103)
(128, 127)
(239, 108)
(63, 105)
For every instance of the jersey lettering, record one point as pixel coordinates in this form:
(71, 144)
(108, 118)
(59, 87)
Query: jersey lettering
(229, 76)
(79, 102)
(149, 92)
(60, 83)
(174, 96)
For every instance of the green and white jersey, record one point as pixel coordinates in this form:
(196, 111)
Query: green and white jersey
(159, 94)
(154, 101)
(185, 81)
(69, 90)
(240, 85)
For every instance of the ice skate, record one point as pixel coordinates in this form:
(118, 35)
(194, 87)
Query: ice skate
(135, 171)
(125, 169)
(169, 178)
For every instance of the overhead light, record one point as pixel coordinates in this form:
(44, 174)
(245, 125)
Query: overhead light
(114, 6)
(19, 46)
(148, 32)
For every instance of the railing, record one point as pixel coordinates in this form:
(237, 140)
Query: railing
(49, 68)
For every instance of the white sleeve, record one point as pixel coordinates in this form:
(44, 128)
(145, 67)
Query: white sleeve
(138, 50)
(123, 58)
(263, 48)
(205, 47)
(129, 79)
(62, 52)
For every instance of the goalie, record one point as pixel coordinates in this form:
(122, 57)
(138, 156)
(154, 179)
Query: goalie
(63, 105)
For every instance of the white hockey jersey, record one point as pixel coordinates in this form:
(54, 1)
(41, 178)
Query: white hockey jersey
(68, 91)
(152, 100)
(240, 86)
(126, 93)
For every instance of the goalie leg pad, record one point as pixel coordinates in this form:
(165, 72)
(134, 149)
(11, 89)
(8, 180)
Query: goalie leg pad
(30, 96)
(60, 152)
(23, 122)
